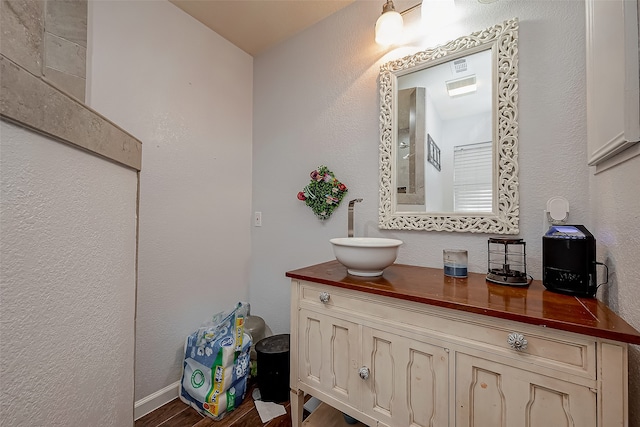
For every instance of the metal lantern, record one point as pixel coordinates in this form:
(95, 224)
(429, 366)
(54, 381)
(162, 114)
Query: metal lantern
(507, 263)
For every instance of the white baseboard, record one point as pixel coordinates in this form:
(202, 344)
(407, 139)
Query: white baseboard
(152, 402)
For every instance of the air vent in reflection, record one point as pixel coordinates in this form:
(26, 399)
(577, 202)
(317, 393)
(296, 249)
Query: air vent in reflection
(459, 66)
(462, 86)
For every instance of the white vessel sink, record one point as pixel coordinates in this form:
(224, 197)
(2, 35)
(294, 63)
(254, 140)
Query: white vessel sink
(365, 256)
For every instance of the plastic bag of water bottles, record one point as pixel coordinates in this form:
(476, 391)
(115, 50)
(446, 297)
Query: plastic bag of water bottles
(216, 364)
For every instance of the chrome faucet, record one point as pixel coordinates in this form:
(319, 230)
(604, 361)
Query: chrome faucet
(350, 218)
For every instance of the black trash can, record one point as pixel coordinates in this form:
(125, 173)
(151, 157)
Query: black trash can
(273, 368)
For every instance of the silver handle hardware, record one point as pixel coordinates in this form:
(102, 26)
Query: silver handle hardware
(324, 297)
(517, 341)
(363, 372)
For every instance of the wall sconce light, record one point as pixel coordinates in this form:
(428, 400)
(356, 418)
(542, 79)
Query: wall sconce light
(389, 25)
(435, 14)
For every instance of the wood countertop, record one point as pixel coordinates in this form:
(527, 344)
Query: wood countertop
(534, 304)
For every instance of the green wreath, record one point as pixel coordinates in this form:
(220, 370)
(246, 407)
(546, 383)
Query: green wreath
(324, 193)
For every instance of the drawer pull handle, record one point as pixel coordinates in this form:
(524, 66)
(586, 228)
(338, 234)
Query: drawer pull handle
(363, 372)
(324, 297)
(517, 341)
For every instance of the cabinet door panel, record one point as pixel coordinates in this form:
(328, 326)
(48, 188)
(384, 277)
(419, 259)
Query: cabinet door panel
(329, 351)
(311, 344)
(491, 394)
(408, 384)
(487, 394)
(427, 386)
(382, 378)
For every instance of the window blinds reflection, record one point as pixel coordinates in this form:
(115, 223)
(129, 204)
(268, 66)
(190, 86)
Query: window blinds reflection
(472, 186)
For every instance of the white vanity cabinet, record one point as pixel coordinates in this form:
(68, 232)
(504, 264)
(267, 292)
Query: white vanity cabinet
(379, 371)
(432, 351)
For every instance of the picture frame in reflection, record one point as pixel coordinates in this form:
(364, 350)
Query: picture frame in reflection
(433, 153)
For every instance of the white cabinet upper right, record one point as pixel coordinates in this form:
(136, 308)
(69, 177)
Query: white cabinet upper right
(613, 79)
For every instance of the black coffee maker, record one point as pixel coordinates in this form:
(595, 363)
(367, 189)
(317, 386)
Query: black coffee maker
(569, 260)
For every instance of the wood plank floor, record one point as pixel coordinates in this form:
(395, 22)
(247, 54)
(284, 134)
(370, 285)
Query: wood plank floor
(178, 414)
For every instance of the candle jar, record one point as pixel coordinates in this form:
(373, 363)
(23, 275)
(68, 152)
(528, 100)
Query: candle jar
(455, 262)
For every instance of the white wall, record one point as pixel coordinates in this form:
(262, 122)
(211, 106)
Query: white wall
(68, 227)
(186, 93)
(316, 102)
(616, 209)
(435, 185)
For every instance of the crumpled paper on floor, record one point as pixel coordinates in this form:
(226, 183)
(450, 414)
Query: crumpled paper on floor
(269, 410)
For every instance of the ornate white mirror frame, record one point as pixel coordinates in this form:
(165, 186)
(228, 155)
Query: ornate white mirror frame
(502, 39)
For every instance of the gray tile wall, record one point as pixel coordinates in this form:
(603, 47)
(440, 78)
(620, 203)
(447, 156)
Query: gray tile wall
(65, 45)
(43, 50)
(22, 33)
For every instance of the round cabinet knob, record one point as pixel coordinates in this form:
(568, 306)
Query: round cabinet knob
(517, 341)
(363, 372)
(324, 297)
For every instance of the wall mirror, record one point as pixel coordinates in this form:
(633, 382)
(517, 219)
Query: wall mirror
(449, 136)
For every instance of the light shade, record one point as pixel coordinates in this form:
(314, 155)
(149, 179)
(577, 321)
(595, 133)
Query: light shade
(389, 25)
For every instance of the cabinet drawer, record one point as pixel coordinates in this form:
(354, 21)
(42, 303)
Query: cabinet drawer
(557, 350)
(544, 347)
